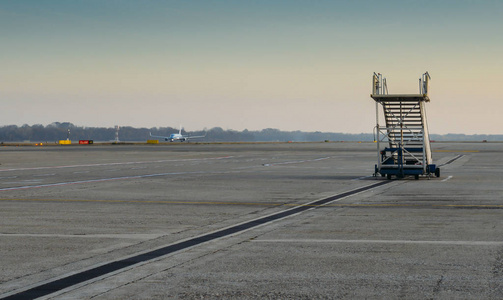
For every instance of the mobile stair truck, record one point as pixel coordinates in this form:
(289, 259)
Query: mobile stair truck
(403, 144)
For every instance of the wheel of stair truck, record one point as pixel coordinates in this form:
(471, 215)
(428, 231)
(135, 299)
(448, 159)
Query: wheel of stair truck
(416, 177)
(437, 172)
(388, 176)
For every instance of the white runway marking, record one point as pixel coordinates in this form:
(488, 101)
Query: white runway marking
(444, 180)
(318, 241)
(140, 176)
(95, 180)
(363, 177)
(295, 162)
(118, 163)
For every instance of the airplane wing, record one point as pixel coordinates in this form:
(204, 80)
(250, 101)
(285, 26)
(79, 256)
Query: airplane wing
(195, 137)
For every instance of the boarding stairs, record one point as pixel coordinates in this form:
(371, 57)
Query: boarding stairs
(404, 135)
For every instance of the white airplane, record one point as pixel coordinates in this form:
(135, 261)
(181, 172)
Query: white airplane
(177, 137)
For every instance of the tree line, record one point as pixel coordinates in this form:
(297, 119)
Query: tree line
(61, 131)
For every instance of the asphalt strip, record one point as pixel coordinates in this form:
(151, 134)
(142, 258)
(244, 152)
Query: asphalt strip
(64, 282)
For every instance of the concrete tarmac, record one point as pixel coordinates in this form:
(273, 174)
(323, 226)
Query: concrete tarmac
(68, 209)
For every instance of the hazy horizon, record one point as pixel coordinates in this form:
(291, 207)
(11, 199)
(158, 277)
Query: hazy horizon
(176, 128)
(289, 65)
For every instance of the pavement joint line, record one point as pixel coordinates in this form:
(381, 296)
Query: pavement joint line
(137, 236)
(151, 201)
(440, 242)
(78, 278)
(457, 151)
(258, 203)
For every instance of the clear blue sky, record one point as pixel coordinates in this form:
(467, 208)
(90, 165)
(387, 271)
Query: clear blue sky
(291, 65)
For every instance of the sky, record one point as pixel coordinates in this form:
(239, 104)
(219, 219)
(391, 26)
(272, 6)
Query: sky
(290, 65)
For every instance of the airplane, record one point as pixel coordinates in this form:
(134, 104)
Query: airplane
(177, 136)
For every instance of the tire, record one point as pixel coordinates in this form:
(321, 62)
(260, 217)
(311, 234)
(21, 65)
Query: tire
(437, 172)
